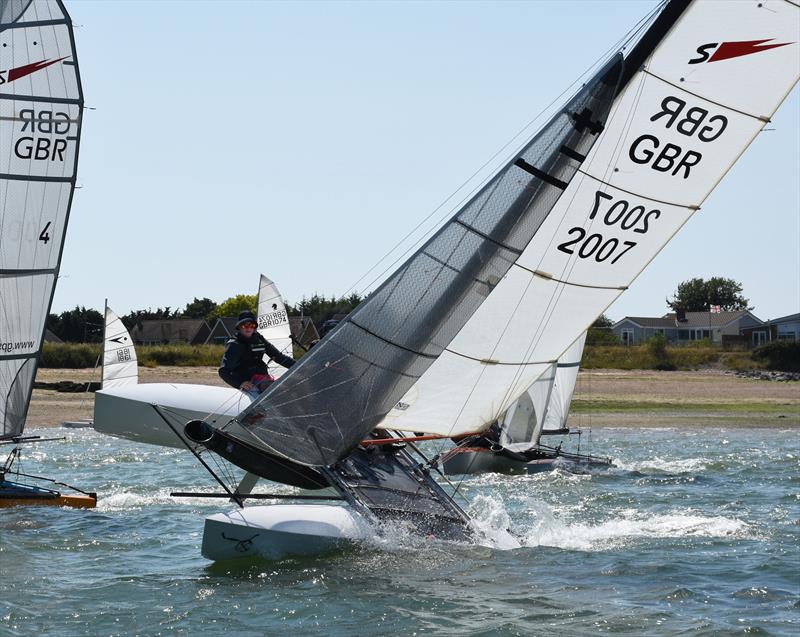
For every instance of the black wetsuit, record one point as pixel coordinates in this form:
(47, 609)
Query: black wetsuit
(244, 357)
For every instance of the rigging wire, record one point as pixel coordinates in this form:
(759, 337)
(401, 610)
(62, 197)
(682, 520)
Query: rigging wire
(620, 45)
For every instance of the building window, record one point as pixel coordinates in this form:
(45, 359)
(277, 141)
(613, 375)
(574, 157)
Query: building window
(627, 337)
(759, 338)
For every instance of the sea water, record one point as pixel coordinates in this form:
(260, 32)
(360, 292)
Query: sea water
(694, 531)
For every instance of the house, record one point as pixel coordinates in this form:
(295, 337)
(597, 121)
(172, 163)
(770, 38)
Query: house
(49, 337)
(786, 328)
(166, 331)
(223, 330)
(681, 328)
(304, 331)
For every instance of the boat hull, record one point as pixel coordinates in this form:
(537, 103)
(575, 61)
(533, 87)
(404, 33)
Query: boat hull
(468, 460)
(13, 495)
(127, 412)
(278, 531)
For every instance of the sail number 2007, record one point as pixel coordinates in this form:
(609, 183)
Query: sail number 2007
(619, 213)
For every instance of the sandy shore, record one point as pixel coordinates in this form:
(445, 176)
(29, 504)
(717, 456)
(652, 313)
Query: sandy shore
(603, 398)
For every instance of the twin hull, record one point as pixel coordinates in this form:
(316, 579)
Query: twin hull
(128, 412)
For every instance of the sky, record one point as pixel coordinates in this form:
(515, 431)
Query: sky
(304, 140)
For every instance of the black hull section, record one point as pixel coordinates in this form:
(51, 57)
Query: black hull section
(382, 482)
(253, 459)
(474, 460)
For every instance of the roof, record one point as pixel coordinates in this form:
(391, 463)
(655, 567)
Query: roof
(170, 330)
(49, 337)
(791, 318)
(303, 330)
(693, 320)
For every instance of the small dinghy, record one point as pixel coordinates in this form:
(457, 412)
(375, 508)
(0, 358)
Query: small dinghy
(41, 114)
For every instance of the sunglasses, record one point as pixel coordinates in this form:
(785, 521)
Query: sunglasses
(252, 325)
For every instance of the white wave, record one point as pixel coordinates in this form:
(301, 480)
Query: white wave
(685, 465)
(127, 501)
(626, 525)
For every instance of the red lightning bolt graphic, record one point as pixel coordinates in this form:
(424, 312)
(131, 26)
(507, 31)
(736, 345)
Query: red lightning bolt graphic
(22, 71)
(728, 50)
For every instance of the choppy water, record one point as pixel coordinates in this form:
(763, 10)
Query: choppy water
(693, 533)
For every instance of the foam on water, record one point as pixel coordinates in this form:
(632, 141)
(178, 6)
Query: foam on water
(682, 465)
(625, 527)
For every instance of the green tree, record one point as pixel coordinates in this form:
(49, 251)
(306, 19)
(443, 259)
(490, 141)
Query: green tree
(600, 332)
(135, 317)
(698, 295)
(321, 309)
(80, 325)
(234, 305)
(199, 308)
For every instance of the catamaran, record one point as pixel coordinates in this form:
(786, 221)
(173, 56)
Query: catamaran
(41, 111)
(450, 340)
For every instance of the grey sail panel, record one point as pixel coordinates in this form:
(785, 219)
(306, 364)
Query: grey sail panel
(345, 386)
(41, 105)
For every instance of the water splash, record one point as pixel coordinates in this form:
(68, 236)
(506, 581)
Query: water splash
(625, 527)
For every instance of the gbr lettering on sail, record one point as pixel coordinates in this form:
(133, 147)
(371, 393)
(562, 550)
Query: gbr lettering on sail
(696, 123)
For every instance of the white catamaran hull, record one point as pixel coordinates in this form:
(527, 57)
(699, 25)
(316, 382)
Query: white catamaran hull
(127, 411)
(276, 531)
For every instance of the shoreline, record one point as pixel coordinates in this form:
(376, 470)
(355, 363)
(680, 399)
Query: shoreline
(603, 398)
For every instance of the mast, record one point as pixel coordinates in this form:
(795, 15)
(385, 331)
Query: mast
(674, 131)
(347, 385)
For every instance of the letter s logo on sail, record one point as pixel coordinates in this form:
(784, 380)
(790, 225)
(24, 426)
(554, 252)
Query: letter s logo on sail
(728, 50)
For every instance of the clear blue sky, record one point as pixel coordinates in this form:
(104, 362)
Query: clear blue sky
(303, 140)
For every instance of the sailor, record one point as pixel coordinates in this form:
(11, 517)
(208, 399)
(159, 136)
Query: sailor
(243, 363)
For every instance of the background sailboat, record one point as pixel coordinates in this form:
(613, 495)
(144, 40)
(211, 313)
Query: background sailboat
(119, 363)
(41, 112)
(514, 443)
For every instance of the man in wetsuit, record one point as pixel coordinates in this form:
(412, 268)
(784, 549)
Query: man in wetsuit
(243, 363)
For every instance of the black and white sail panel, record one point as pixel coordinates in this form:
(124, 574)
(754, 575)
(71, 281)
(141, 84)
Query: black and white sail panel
(345, 386)
(706, 91)
(273, 321)
(40, 120)
(120, 366)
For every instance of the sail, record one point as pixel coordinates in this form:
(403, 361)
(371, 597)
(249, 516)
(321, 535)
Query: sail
(555, 419)
(521, 423)
(677, 127)
(41, 106)
(346, 384)
(545, 405)
(119, 354)
(273, 321)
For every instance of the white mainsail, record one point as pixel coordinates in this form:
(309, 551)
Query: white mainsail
(119, 355)
(273, 321)
(682, 121)
(41, 104)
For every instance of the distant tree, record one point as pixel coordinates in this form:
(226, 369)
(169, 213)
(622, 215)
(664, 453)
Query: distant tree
(600, 332)
(135, 317)
(321, 309)
(199, 308)
(234, 305)
(698, 295)
(80, 325)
